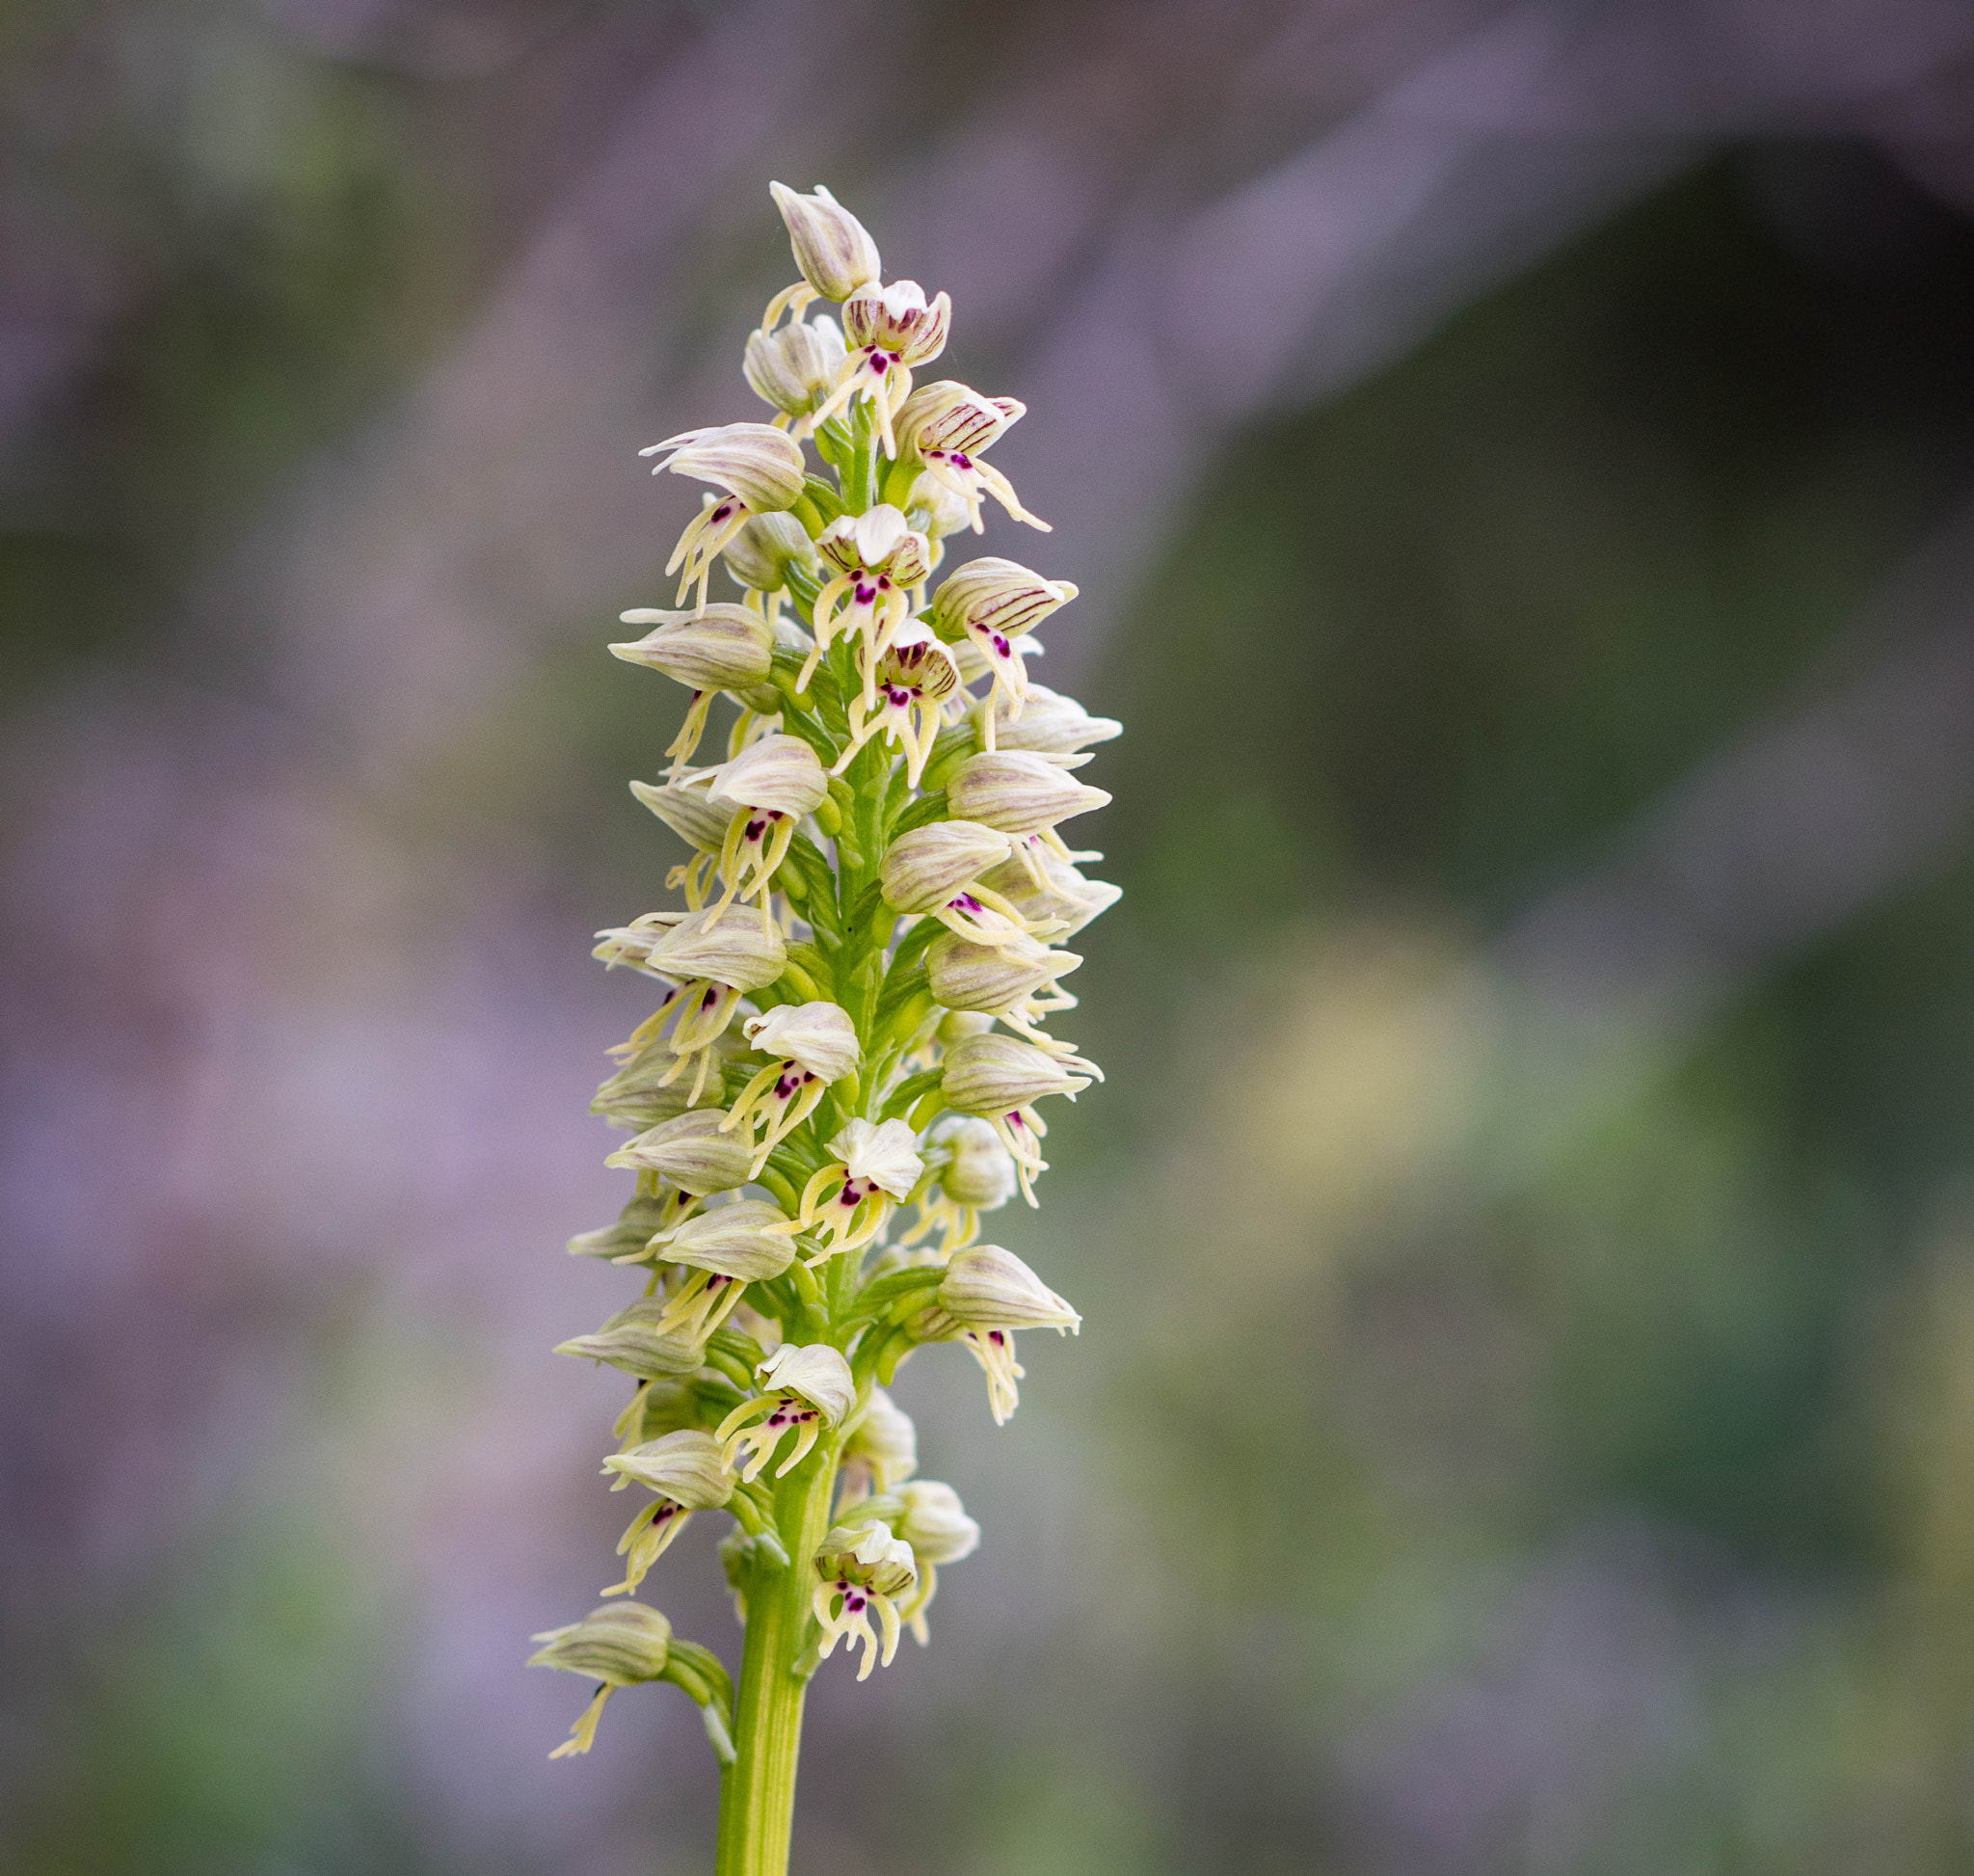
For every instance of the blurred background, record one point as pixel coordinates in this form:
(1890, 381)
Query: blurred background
(1517, 456)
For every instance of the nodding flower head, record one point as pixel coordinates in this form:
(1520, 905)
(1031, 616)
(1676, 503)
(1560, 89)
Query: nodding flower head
(863, 1569)
(1000, 1078)
(833, 248)
(718, 649)
(686, 1472)
(947, 427)
(779, 772)
(619, 1645)
(795, 366)
(808, 1388)
(759, 468)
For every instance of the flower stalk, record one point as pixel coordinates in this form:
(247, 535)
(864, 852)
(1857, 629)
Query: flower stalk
(840, 1081)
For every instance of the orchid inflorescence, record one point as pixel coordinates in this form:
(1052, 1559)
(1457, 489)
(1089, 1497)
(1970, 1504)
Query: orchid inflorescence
(845, 1072)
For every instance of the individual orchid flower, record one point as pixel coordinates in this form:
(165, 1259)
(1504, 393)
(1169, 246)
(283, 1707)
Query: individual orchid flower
(863, 1570)
(759, 469)
(809, 1387)
(912, 682)
(814, 1044)
(946, 428)
(871, 1167)
(878, 560)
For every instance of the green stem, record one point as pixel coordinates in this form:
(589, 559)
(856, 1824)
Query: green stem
(758, 1790)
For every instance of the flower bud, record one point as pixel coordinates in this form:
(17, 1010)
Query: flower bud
(884, 1448)
(926, 866)
(899, 319)
(630, 1341)
(996, 1074)
(684, 1466)
(713, 650)
(760, 554)
(621, 1644)
(995, 598)
(878, 541)
(689, 811)
(816, 1372)
(833, 248)
(754, 461)
(1017, 792)
(952, 416)
(933, 1521)
(731, 1242)
(965, 976)
(886, 1155)
(726, 944)
(691, 1152)
(818, 1037)
(1049, 724)
(986, 1287)
(795, 366)
(778, 772)
(980, 1171)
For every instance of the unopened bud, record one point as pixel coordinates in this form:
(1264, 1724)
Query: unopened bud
(818, 1037)
(691, 1152)
(760, 554)
(994, 599)
(621, 1645)
(833, 248)
(926, 866)
(754, 461)
(966, 976)
(733, 1242)
(954, 417)
(936, 508)
(980, 1171)
(684, 1466)
(986, 1287)
(727, 945)
(899, 320)
(713, 650)
(816, 1372)
(795, 366)
(1049, 724)
(886, 1155)
(630, 1341)
(1018, 792)
(996, 1074)
(779, 772)
(933, 1521)
(885, 1445)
